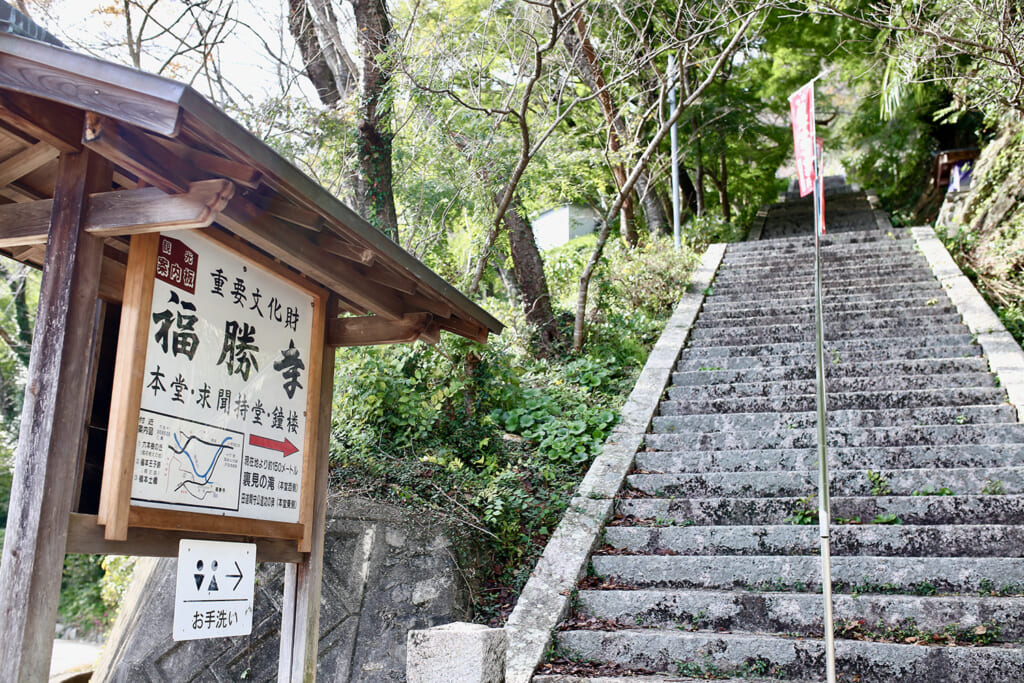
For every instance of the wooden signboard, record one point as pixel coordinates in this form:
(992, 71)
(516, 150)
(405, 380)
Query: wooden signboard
(213, 423)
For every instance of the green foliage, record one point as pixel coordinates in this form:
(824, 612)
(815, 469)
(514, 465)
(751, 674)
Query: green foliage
(993, 487)
(932, 491)
(989, 244)
(879, 484)
(805, 511)
(117, 575)
(81, 602)
(91, 590)
(886, 518)
(907, 631)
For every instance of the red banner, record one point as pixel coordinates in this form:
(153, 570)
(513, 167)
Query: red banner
(801, 114)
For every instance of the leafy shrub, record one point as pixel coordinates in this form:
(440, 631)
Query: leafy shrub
(81, 604)
(489, 436)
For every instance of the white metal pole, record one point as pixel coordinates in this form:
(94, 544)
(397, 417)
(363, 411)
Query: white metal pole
(673, 83)
(824, 508)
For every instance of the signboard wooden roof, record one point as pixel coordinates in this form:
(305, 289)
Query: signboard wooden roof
(204, 169)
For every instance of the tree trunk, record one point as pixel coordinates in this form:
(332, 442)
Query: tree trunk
(723, 190)
(586, 62)
(654, 207)
(315, 65)
(688, 192)
(375, 198)
(698, 174)
(528, 268)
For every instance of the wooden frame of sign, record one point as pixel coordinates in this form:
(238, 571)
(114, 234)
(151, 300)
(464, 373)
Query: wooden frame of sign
(146, 481)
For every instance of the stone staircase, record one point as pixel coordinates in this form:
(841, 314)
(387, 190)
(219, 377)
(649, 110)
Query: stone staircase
(710, 568)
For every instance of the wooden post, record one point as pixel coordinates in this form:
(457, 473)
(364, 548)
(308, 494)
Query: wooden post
(52, 425)
(300, 613)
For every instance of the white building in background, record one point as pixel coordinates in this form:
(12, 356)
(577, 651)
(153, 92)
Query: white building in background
(557, 226)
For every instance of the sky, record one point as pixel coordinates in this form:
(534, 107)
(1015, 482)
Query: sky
(98, 27)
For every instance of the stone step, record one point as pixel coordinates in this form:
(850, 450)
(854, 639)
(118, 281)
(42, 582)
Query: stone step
(875, 400)
(901, 417)
(863, 292)
(859, 574)
(832, 275)
(866, 319)
(774, 334)
(919, 295)
(872, 458)
(564, 678)
(807, 372)
(863, 262)
(959, 509)
(901, 482)
(830, 287)
(865, 662)
(835, 349)
(930, 435)
(710, 312)
(685, 387)
(802, 613)
(748, 357)
(841, 272)
(865, 242)
(902, 540)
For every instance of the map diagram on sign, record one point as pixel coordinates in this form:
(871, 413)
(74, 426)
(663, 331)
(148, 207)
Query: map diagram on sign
(185, 462)
(198, 470)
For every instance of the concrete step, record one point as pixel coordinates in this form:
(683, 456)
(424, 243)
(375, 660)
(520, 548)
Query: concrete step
(801, 613)
(863, 575)
(929, 366)
(866, 662)
(875, 400)
(959, 509)
(902, 540)
(746, 357)
(684, 388)
(719, 422)
(871, 458)
(902, 482)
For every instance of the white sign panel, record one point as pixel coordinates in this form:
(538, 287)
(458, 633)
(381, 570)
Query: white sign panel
(222, 422)
(216, 582)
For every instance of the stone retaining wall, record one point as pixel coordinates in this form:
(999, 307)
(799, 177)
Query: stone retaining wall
(386, 571)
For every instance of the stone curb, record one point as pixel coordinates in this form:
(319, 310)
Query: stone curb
(758, 225)
(1005, 357)
(545, 598)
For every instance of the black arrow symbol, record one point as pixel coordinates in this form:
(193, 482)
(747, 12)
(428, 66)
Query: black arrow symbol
(236, 576)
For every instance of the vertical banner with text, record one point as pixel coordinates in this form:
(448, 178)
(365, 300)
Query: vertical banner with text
(801, 114)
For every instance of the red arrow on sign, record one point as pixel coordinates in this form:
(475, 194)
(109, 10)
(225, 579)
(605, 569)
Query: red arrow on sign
(286, 447)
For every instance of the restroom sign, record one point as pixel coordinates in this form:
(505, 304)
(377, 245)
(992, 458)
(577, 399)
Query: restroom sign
(215, 587)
